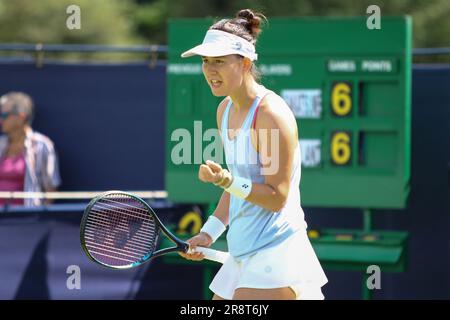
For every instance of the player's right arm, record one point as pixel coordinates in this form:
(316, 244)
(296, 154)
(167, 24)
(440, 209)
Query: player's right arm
(222, 210)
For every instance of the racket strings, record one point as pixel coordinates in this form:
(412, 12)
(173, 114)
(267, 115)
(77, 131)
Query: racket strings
(120, 231)
(107, 240)
(121, 242)
(101, 220)
(134, 211)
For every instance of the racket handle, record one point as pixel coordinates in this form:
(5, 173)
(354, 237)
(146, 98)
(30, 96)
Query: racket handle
(213, 255)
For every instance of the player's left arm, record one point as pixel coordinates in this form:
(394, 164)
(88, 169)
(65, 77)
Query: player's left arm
(276, 139)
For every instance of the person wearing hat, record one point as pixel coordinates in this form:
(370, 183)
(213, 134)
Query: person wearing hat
(271, 256)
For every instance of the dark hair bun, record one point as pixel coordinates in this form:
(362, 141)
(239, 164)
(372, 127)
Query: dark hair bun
(252, 21)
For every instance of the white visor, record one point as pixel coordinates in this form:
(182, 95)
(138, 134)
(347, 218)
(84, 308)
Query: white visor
(220, 43)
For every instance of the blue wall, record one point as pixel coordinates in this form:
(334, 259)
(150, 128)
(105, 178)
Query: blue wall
(107, 122)
(37, 247)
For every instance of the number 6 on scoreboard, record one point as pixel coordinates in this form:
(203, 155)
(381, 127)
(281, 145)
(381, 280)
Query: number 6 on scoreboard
(341, 148)
(341, 99)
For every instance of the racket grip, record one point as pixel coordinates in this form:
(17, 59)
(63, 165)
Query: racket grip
(213, 255)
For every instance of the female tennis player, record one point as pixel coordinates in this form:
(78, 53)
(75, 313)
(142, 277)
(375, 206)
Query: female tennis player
(270, 254)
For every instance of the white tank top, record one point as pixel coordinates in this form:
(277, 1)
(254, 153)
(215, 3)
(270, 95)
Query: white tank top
(252, 227)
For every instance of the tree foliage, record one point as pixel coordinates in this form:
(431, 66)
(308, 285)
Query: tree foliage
(431, 18)
(123, 22)
(44, 21)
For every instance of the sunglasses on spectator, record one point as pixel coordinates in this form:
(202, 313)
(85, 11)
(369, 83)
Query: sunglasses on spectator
(6, 114)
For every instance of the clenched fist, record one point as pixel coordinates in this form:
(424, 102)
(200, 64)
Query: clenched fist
(210, 172)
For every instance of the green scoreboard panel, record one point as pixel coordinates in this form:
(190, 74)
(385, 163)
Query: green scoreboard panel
(349, 88)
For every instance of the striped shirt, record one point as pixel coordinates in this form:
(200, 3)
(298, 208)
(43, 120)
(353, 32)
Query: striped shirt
(42, 169)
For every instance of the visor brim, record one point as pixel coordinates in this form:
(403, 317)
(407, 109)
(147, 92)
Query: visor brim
(208, 50)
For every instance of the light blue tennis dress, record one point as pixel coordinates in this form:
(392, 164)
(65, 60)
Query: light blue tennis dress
(251, 227)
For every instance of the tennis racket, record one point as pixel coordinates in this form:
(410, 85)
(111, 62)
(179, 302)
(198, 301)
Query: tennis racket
(120, 231)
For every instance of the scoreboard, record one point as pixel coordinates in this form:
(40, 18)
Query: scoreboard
(349, 88)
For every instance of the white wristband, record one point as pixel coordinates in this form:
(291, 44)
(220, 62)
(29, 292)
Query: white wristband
(240, 187)
(213, 227)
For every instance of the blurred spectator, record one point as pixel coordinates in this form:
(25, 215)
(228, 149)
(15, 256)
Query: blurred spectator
(28, 161)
